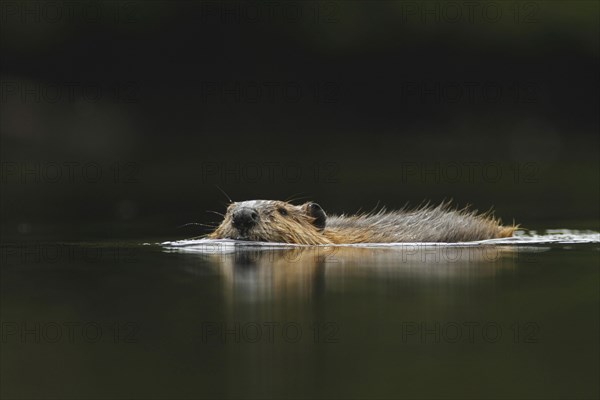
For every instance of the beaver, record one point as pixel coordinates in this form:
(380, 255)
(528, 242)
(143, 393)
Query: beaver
(308, 224)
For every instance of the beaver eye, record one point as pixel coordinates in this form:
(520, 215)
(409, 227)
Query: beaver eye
(282, 211)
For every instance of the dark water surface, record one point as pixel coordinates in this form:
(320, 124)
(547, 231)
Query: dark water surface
(504, 319)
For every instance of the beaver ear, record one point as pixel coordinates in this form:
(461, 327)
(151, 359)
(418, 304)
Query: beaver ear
(314, 210)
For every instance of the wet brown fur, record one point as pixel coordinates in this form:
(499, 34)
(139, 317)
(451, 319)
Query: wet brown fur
(287, 223)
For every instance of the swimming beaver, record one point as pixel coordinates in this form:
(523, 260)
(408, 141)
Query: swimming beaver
(279, 221)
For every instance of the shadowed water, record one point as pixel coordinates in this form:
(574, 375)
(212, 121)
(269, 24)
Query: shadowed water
(506, 318)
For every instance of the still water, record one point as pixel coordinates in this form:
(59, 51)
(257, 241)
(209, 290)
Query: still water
(510, 318)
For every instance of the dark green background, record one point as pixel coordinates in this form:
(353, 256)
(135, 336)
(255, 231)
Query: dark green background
(355, 135)
(348, 112)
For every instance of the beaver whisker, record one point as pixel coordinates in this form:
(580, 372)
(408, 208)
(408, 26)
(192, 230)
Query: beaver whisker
(225, 194)
(295, 197)
(199, 224)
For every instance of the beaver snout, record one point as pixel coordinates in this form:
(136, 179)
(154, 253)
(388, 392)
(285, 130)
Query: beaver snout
(244, 218)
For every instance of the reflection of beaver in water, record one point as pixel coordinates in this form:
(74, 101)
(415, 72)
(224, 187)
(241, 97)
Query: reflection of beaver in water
(278, 221)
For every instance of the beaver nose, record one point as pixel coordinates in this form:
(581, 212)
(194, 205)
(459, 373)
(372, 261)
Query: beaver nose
(245, 218)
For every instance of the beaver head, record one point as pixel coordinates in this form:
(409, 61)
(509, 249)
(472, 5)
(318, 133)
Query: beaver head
(273, 221)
